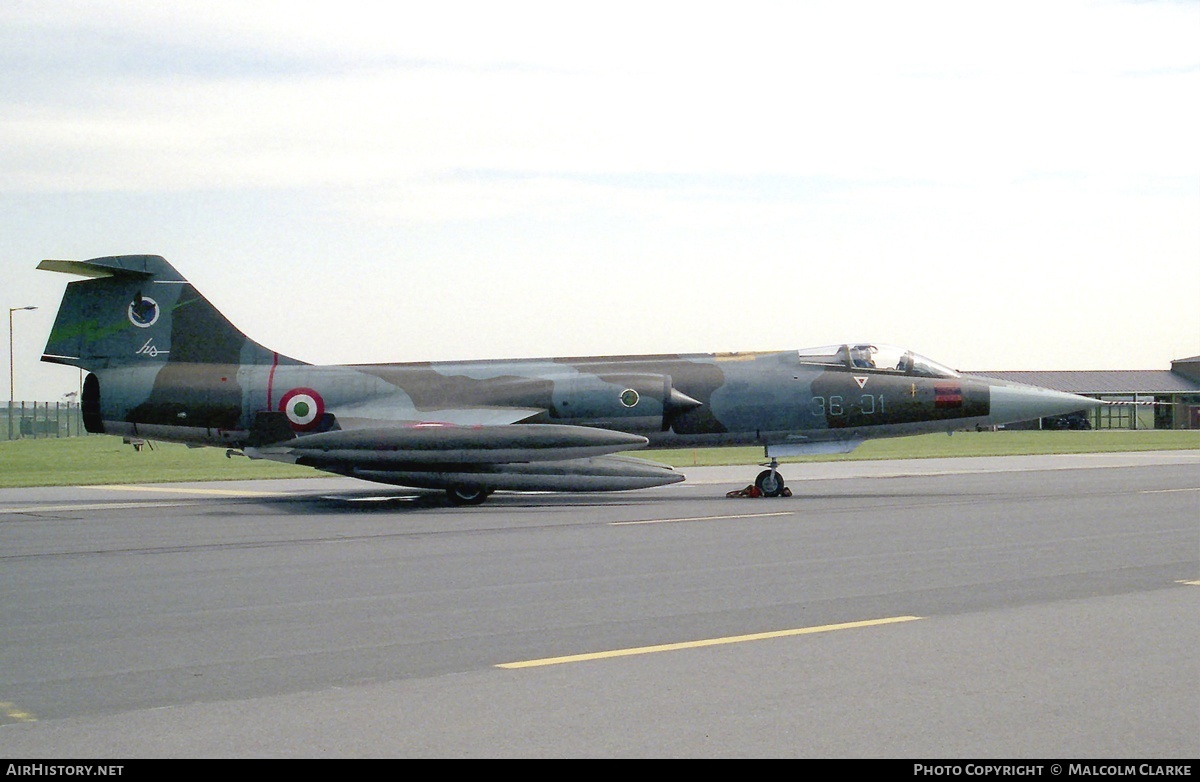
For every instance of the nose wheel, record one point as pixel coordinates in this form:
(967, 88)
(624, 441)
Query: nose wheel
(770, 482)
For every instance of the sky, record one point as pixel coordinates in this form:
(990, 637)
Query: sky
(996, 186)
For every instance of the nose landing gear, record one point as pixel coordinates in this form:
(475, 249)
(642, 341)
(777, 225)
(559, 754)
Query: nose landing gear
(770, 482)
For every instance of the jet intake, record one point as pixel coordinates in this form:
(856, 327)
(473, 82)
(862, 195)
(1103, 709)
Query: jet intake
(633, 401)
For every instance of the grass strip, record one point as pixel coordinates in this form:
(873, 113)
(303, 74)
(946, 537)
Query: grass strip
(101, 459)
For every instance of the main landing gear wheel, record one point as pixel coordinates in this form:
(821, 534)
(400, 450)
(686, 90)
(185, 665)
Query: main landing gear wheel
(770, 483)
(460, 495)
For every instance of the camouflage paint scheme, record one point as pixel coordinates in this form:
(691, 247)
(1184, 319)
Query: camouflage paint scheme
(165, 364)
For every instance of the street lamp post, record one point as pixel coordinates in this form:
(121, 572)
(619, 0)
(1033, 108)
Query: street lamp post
(11, 383)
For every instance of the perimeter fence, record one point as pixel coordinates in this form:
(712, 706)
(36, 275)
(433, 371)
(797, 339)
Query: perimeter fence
(23, 420)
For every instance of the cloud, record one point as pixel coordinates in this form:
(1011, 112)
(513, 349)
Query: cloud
(183, 97)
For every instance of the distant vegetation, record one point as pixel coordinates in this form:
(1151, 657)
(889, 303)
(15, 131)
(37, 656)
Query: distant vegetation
(99, 459)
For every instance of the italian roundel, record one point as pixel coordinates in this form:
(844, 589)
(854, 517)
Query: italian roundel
(303, 408)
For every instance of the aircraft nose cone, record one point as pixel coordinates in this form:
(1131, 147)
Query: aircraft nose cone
(1013, 403)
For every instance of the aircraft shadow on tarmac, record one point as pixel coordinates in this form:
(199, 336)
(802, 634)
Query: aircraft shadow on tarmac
(408, 501)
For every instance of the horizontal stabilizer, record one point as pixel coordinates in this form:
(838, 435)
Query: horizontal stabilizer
(116, 266)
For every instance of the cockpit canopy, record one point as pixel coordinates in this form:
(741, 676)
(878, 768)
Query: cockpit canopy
(881, 358)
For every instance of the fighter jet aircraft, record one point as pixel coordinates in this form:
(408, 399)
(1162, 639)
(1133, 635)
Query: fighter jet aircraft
(164, 364)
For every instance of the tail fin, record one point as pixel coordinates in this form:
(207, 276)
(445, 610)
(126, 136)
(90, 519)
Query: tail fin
(139, 309)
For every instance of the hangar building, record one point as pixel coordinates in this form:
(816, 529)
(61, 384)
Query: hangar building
(1144, 399)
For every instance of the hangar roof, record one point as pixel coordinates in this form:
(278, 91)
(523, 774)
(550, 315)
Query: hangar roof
(1151, 381)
